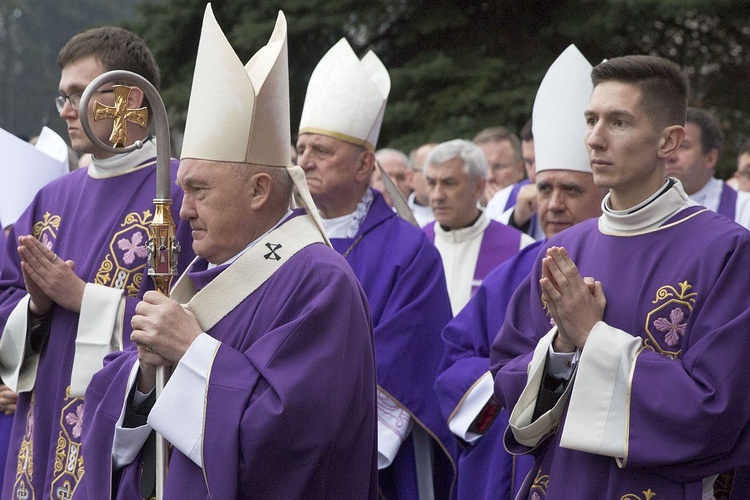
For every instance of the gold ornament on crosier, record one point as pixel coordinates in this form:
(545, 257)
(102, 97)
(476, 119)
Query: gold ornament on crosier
(121, 115)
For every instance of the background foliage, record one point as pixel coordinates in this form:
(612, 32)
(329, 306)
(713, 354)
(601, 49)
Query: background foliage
(456, 66)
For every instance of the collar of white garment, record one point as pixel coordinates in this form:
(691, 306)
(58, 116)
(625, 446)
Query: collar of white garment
(347, 226)
(123, 163)
(710, 194)
(464, 233)
(647, 215)
(252, 243)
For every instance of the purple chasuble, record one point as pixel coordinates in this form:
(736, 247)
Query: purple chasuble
(290, 409)
(728, 202)
(485, 470)
(499, 243)
(683, 290)
(402, 276)
(100, 224)
(6, 421)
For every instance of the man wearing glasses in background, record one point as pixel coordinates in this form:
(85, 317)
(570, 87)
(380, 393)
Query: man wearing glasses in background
(73, 269)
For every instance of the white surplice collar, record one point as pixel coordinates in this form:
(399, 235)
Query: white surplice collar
(123, 163)
(647, 215)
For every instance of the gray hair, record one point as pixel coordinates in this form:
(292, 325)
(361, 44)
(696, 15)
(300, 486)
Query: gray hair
(382, 153)
(475, 161)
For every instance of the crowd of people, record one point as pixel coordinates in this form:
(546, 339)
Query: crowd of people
(556, 314)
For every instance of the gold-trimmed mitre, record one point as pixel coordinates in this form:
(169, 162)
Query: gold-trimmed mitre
(558, 123)
(239, 113)
(346, 97)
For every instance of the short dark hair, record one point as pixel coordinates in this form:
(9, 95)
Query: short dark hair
(116, 49)
(712, 137)
(664, 87)
(497, 134)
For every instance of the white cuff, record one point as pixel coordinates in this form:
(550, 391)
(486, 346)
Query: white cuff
(560, 365)
(17, 371)
(527, 432)
(99, 327)
(394, 424)
(470, 407)
(597, 419)
(179, 412)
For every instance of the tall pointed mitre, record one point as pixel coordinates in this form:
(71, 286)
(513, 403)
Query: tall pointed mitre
(240, 113)
(346, 97)
(558, 123)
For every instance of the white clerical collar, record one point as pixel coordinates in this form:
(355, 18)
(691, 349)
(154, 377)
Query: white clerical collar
(252, 243)
(709, 195)
(464, 233)
(347, 226)
(123, 163)
(647, 215)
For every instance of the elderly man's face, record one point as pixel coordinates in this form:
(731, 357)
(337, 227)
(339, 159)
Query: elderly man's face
(505, 168)
(217, 203)
(565, 198)
(330, 165)
(453, 194)
(399, 173)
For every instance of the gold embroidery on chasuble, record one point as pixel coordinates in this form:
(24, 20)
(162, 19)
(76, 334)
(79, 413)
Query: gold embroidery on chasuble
(68, 466)
(46, 229)
(666, 324)
(22, 487)
(647, 495)
(123, 265)
(539, 486)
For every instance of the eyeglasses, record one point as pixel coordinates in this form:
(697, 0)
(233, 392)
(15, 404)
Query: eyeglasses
(74, 99)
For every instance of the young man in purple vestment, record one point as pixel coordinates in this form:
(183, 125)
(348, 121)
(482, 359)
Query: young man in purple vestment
(469, 242)
(623, 355)
(694, 164)
(397, 266)
(273, 391)
(565, 195)
(74, 265)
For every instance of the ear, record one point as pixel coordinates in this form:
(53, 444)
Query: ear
(136, 99)
(260, 190)
(365, 166)
(711, 159)
(671, 138)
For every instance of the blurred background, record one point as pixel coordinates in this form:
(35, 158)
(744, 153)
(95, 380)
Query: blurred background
(457, 66)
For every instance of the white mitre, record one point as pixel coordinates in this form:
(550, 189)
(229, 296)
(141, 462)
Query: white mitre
(558, 123)
(240, 113)
(346, 97)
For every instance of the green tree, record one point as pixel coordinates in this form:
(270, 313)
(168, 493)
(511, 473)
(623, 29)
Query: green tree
(458, 66)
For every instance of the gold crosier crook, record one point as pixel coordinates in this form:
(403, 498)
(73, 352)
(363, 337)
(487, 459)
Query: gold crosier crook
(163, 248)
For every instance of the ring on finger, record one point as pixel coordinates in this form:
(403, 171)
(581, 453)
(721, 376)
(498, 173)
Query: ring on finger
(53, 259)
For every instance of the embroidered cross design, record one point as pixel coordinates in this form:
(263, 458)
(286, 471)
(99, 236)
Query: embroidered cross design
(272, 254)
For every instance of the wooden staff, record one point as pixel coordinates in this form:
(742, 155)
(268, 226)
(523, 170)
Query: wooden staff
(163, 248)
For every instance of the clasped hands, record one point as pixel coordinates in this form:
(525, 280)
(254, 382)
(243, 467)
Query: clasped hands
(48, 280)
(576, 303)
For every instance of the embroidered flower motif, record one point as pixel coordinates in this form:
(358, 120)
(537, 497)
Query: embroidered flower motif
(133, 247)
(76, 420)
(46, 241)
(673, 327)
